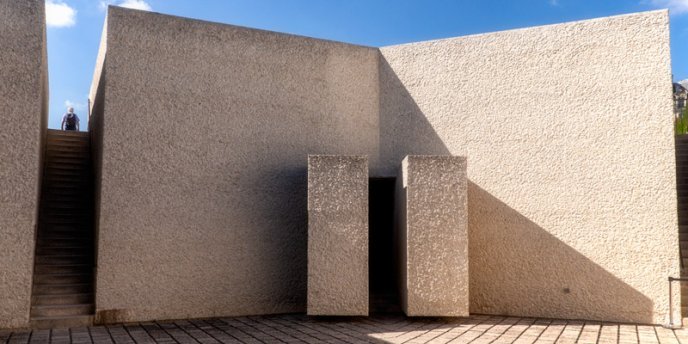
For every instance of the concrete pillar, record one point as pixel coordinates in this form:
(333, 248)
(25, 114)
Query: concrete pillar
(24, 96)
(432, 225)
(337, 235)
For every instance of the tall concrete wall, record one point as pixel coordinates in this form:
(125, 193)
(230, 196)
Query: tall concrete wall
(205, 131)
(24, 93)
(568, 130)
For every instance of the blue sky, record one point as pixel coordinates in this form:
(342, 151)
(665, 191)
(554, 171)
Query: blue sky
(74, 26)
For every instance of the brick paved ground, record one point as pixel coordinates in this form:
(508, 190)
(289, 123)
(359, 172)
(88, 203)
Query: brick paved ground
(389, 329)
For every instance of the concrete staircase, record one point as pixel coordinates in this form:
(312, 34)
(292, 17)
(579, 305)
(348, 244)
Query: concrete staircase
(62, 293)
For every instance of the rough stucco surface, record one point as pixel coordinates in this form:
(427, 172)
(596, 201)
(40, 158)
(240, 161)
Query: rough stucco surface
(95, 128)
(206, 129)
(435, 238)
(337, 235)
(568, 129)
(23, 89)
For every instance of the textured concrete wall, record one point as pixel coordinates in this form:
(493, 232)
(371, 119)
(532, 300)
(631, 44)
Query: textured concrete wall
(432, 193)
(95, 128)
(337, 235)
(568, 130)
(206, 129)
(23, 92)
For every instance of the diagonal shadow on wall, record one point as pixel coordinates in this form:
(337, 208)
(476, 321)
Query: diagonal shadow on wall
(516, 267)
(519, 268)
(404, 129)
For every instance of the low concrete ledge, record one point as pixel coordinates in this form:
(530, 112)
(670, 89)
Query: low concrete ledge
(432, 224)
(337, 235)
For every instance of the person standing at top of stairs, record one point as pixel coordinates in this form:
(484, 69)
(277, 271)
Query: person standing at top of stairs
(70, 121)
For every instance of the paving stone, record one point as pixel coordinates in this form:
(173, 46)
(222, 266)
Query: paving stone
(39, 336)
(534, 331)
(552, 332)
(647, 334)
(5, 335)
(571, 333)
(682, 335)
(515, 331)
(19, 338)
(457, 330)
(100, 334)
(666, 336)
(139, 334)
(496, 331)
(628, 334)
(296, 328)
(590, 333)
(219, 335)
(158, 334)
(176, 333)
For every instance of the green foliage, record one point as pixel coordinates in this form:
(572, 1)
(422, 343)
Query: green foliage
(681, 127)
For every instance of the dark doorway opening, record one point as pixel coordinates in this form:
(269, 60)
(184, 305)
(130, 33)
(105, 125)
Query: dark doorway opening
(383, 269)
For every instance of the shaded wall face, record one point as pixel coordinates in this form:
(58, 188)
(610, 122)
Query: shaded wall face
(23, 71)
(205, 136)
(569, 138)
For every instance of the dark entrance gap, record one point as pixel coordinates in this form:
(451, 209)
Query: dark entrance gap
(383, 270)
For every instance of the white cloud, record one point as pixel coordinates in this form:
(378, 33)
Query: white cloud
(554, 2)
(59, 14)
(675, 6)
(78, 107)
(135, 4)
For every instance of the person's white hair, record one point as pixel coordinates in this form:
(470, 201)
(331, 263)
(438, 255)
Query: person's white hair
(70, 109)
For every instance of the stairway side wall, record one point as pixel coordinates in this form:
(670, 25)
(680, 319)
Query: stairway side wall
(206, 134)
(568, 131)
(95, 128)
(24, 92)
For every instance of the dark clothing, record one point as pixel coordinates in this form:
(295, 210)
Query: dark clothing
(70, 121)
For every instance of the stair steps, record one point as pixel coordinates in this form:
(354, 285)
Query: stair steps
(62, 269)
(66, 278)
(64, 299)
(61, 321)
(63, 290)
(61, 241)
(62, 310)
(63, 259)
